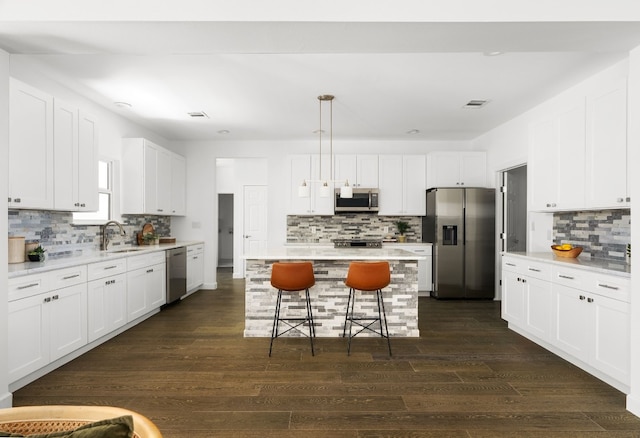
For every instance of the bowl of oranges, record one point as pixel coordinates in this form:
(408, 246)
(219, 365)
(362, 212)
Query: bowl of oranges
(566, 250)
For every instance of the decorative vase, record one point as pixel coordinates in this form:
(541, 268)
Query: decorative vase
(402, 238)
(36, 257)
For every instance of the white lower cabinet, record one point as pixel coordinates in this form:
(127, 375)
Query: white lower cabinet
(425, 267)
(46, 326)
(582, 315)
(195, 267)
(146, 284)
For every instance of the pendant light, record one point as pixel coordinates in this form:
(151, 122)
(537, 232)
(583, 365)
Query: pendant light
(346, 190)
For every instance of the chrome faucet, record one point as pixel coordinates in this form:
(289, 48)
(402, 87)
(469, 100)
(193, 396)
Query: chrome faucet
(105, 239)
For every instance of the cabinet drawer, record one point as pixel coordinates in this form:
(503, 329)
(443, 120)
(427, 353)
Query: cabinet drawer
(541, 271)
(140, 261)
(108, 268)
(28, 285)
(195, 249)
(608, 285)
(67, 277)
(569, 277)
(512, 264)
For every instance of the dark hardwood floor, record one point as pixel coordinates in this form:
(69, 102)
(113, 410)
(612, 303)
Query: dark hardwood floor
(191, 371)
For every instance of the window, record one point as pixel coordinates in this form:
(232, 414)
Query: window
(107, 171)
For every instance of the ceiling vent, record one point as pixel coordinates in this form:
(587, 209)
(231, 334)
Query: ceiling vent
(476, 103)
(198, 114)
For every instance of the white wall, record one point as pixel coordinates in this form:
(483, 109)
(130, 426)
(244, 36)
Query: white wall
(633, 400)
(5, 396)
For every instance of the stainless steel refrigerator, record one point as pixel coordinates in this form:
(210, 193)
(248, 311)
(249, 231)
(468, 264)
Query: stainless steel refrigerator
(460, 222)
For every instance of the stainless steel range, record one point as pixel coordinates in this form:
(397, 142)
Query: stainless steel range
(357, 243)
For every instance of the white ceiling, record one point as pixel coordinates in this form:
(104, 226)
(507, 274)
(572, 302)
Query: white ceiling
(260, 80)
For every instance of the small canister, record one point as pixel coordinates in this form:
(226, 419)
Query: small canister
(16, 249)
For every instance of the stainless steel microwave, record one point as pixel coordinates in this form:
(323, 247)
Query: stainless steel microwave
(363, 200)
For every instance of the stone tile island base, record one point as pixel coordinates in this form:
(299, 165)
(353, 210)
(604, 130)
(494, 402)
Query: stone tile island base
(329, 299)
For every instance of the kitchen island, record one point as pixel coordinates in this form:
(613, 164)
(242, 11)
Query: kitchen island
(329, 295)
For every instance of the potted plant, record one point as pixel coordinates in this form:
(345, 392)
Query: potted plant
(36, 254)
(402, 227)
(149, 238)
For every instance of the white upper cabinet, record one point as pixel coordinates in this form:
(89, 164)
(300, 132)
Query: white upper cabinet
(178, 185)
(76, 159)
(31, 162)
(457, 169)
(148, 180)
(402, 185)
(557, 160)
(359, 170)
(606, 147)
(307, 168)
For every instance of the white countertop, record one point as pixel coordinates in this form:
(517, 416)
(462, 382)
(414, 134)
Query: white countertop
(319, 252)
(593, 265)
(86, 257)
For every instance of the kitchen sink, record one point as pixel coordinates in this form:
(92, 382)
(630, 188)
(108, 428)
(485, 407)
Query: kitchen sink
(117, 251)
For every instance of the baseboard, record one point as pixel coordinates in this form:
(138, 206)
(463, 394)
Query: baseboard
(633, 404)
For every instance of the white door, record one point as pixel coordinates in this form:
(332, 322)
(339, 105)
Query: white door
(255, 219)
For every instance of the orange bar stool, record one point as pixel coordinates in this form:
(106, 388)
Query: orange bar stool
(367, 277)
(292, 277)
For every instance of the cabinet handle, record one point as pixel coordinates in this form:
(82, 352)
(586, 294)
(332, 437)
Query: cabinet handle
(160, 210)
(110, 267)
(510, 264)
(628, 198)
(77, 204)
(582, 297)
(83, 205)
(590, 300)
(149, 270)
(606, 286)
(9, 200)
(620, 200)
(55, 297)
(69, 277)
(27, 286)
(568, 277)
(17, 200)
(534, 269)
(47, 300)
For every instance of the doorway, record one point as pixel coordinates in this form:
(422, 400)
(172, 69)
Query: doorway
(225, 230)
(514, 209)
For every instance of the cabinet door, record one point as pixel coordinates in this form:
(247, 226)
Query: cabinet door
(155, 287)
(391, 184)
(611, 341)
(473, 169)
(65, 141)
(136, 295)
(28, 336)
(572, 326)
(345, 167)
(367, 171)
(444, 169)
(607, 147)
(68, 320)
(150, 179)
(542, 171)
(320, 205)
(195, 271)
(570, 161)
(87, 170)
(538, 307)
(513, 299)
(107, 305)
(30, 147)
(163, 182)
(178, 185)
(414, 180)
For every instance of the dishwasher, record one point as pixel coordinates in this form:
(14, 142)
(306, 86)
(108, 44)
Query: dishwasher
(176, 273)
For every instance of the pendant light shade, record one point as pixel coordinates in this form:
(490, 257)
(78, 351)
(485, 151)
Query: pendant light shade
(325, 190)
(346, 191)
(303, 190)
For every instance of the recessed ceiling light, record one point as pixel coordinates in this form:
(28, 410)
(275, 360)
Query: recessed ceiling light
(413, 131)
(318, 131)
(198, 114)
(476, 103)
(494, 53)
(124, 105)
(223, 131)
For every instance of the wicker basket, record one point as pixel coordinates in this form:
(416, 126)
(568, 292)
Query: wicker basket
(48, 419)
(567, 253)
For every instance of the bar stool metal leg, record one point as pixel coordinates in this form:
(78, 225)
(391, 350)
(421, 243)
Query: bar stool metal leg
(384, 315)
(276, 320)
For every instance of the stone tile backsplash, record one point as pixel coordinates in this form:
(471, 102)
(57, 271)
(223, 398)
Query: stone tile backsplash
(603, 234)
(300, 229)
(56, 233)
